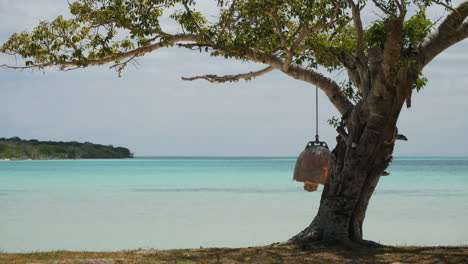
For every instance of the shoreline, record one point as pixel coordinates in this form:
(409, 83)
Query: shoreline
(275, 253)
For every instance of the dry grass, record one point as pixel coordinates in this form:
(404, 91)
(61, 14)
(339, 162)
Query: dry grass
(281, 254)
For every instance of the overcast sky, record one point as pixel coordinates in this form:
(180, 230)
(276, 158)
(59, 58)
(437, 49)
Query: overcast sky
(152, 112)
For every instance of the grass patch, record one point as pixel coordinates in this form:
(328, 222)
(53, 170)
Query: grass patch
(281, 254)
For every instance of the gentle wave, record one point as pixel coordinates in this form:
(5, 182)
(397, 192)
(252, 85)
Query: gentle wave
(13, 190)
(402, 192)
(414, 192)
(230, 190)
(411, 192)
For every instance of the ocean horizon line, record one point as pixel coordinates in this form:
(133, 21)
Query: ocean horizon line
(145, 157)
(272, 157)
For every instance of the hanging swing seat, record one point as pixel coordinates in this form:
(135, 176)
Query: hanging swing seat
(312, 165)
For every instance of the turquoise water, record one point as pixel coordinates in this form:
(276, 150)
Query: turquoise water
(225, 202)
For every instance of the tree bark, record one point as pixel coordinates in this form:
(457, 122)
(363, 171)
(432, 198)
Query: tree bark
(362, 153)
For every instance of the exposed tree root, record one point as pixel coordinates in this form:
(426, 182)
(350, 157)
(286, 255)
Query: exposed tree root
(312, 236)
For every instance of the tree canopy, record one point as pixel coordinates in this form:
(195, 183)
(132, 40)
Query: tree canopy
(293, 36)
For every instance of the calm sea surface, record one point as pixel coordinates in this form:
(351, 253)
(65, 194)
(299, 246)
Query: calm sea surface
(225, 202)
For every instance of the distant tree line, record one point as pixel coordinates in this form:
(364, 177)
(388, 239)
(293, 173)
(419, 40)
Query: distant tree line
(17, 148)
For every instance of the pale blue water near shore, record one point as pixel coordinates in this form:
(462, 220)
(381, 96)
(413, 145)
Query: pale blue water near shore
(225, 202)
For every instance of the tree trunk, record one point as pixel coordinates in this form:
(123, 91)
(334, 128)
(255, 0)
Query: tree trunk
(363, 151)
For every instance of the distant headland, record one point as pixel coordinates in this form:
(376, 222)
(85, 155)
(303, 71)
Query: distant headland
(17, 148)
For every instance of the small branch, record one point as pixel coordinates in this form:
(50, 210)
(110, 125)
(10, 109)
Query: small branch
(36, 66)
(304, 30)
(342, 133)
(120, 66)
(382, 8)
(397, 137)
(230, 78)
(302, 35)
(401, 137)
(200, 31)
(444, 5)
(408, 99)
(356, 71)
(400, 7)
(280, 33)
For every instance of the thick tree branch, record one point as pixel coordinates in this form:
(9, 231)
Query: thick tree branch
(351, 64)
(401, 7)
(307, 74)
(310, 75)
(357, 65)
(358, 29)
(325, 83)
(393, 45)
(169, 40)
(230, 78)
(452, 30)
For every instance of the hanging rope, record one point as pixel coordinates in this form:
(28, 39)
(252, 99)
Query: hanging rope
(316, 115)
(313, 163)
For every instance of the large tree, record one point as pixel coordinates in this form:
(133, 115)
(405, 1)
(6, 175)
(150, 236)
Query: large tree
(384, 60)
